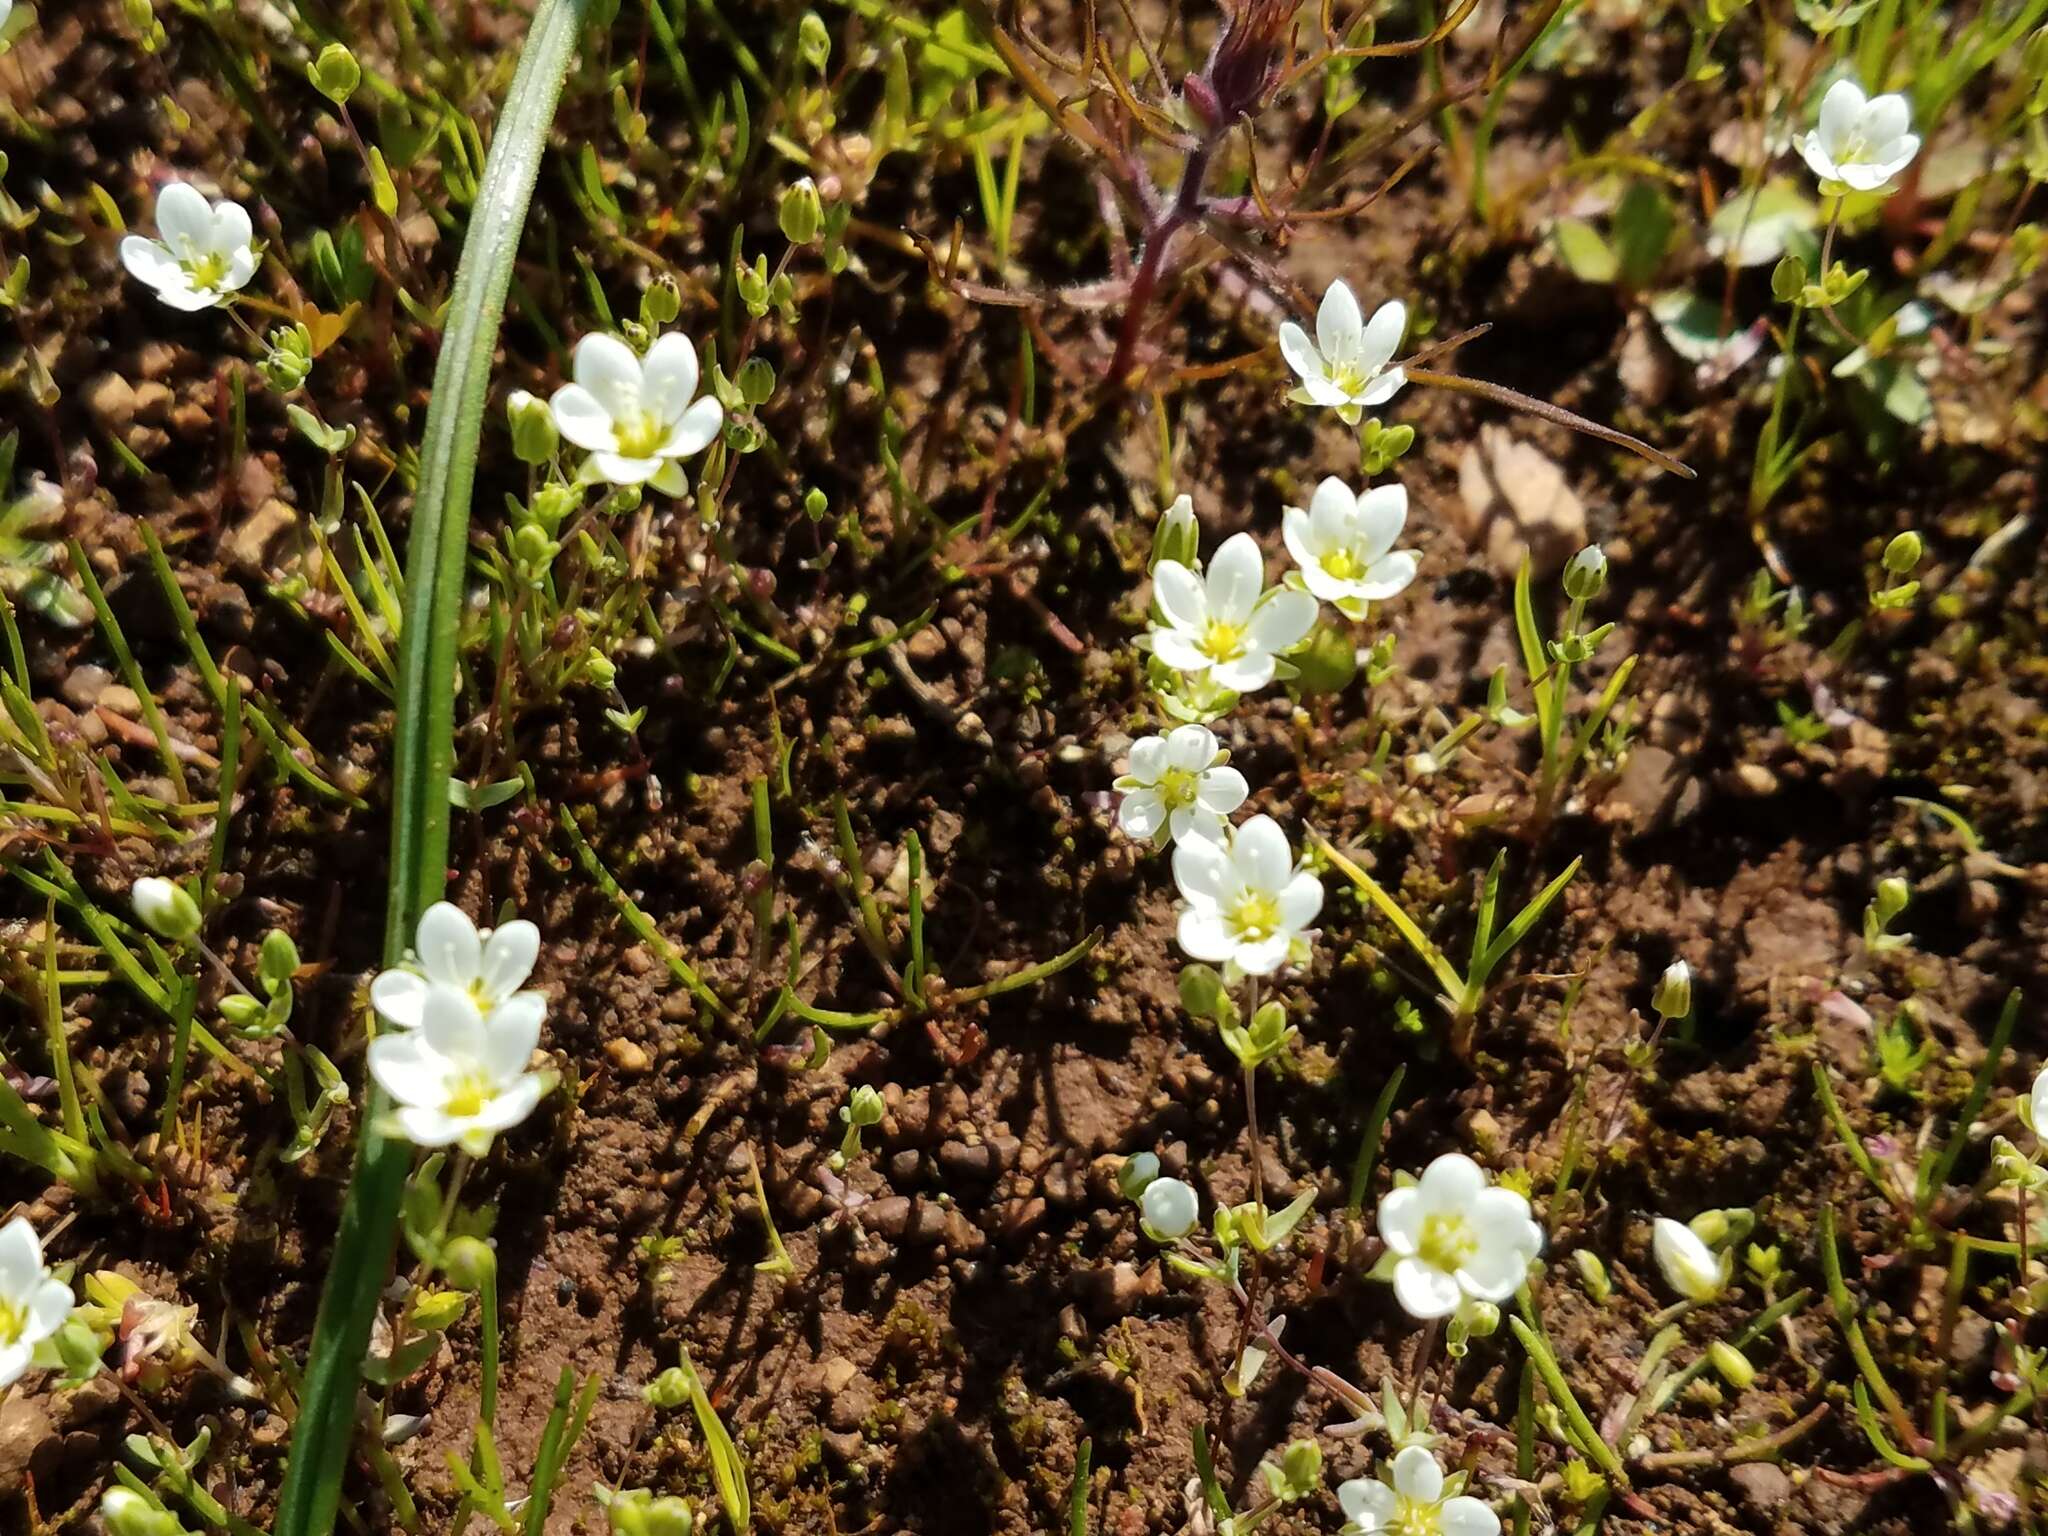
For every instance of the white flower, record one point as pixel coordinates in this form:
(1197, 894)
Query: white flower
(1179, 785)
(1415, 1505)
(1346, 365)
(33, 1302)
(2037, 1105)
(1690, 1267)
(1344, 544)
(489, 966)
(1227, 626)
(636, 416)
(207, 251)
(1170, 1208)
(461, 1076)
(1454, 1236)
(1245, 901)
(1860, 142)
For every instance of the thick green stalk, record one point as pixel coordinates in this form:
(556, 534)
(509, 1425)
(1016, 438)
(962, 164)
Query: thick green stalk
(424, 755)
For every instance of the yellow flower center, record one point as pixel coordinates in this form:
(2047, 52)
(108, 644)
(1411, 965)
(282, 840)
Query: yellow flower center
(1221, 641)
(467, 1096)
(1255, 917)
(13, 1321)
(1447, 1241)
(1414, 1518)
(207, 271)
(1351, 378)
(1341, 565)
(1177, 788)
(640, 437)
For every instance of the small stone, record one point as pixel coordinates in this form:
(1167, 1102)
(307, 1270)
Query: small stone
(27, 1442)
(111, 399)
(628, 1057)
(1751, 781)
(835, 1372)
(1764, 1487)
(1513, 501)
(248, 547)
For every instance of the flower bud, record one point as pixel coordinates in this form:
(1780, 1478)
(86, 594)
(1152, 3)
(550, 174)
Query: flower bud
(813, 42)
(1593, 1275)
(802, 213)
(815, 504)
(1177, 538)
(335, 73)
(863, 1107)
(1170, 1209)
(1690, 1267)
(660, 302)
(125, 1512)
(1903, 553)
(165, 909)
(670, 1389)
(756, 380)
(637, 1512)
(468, 1263)
(1136, 1174)
(1586, 574)
(1673, 997)
(534, 434)
(1732, 1363)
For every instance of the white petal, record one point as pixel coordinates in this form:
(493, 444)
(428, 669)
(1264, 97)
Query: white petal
(668, 376)
(1200, 931)
(1384, 387)
(1885, 119)
(1221, 790)
(450, 1026)
(21, 1258)
(512, 1106)
(184, 219)
(606, 367)
(1204, 873)
(1467, 1516)
(1382, 511)
(1282, 620)
(1400, 1220)
(149, 262)
(508, 959)
(694, 430)
(1179, 650)
(1199, 823)
(511, 1033)
(1689, 1265)
(1368, 1504)
(1248, 674)
(1264, 957)
(1331, 514)
(230, 231)
(1260, 852)
(1424, 1292)
(1295, 533)
(426, 1125)
(449, 949)
(1141, 813)
(1417, 1476)
(2037, 1101)
(1339, 326)
(1863, 178)
(1149, 759)
(406, 1069)
(1388, 577)
(1451, 1183)
(1383, 334)
(398, 996)
(1190, 748)
(1818, 160)
(1178, 592)
(15, 1360)
(581, 417)
(1236, 576)
(1300, 352)
(49, 1308)
(620, 470)
(1300, 900)
(1839, 110)
(178, 293)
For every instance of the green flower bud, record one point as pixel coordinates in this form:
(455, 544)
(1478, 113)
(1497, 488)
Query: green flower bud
(335, 74)
(290, 360)
(1732, 1363)
(535, 438)
(1593, 1275)
(1673, 997)
(125, 1512)
(468, 1262)
(437, 1311)
(1903, 553)
(1137, 1172)
(671, 1389)
(802, 212)
(165, 909)
(278, 960)
(756, 380)
(637, 1512)
(1788, 279)
(660, 303)
(815, 504)
(1586, 575)
(863, 1107)
(1178, 537)
(813, 42)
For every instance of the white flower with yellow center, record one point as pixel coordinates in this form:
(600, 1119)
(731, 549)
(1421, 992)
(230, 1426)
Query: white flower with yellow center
(1344, 544)
(34, 1303)
(1227, 627)
(1860, 143)
(637, 416)
(1245, 903)
(1690, 1267)
(1454, 1238)
(1346, 368)
(489, 966)
(1179, 785)
(206, 253)
(1419, 1502)
(461, 1076)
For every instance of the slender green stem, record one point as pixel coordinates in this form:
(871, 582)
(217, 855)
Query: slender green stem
(425, 741)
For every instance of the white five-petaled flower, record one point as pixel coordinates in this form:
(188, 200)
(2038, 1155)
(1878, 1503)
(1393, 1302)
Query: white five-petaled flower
(1246, 903)
(1414, 1505)
(205, 252)
(489, 966)
(1455, 1237)
(1227, 626)
(33, 1302)
(1690, 1267)
(1344, 544)
(1860, 142)
(638, 417)
(1346, 366)
(1179, 785)
(461, 1076)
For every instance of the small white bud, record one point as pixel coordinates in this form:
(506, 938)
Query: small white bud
(1170, 1208)
(165, 909)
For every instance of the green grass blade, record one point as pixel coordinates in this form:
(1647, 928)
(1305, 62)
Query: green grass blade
(425, 749)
